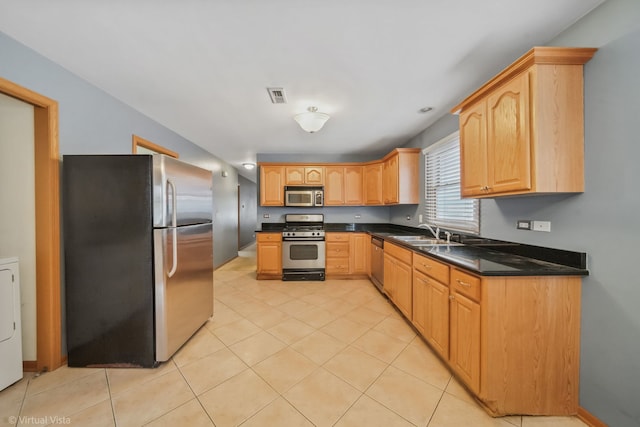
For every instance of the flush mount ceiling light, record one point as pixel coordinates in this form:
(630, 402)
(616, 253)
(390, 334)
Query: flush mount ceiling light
(311, 121)
(249, 166)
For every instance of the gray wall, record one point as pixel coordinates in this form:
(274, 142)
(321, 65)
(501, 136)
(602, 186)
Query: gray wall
(248, 199)
(601, 221)
(91, 121)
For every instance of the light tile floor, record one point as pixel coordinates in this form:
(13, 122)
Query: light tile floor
(331, 353)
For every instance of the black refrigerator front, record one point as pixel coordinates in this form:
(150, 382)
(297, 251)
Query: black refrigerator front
(138, 247)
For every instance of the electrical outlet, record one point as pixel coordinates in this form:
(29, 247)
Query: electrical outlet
(265, 215)
(357, 216)
(420, 218)
(523, 224)
(541, 226)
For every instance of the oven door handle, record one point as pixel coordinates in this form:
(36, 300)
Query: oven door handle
(303, 239)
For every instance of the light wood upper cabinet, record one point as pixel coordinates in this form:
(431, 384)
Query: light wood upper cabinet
(334, 188)
(272, 185)
(373, 184)
(353, 188)
(523, 131)
(400, 181)
(304, 175)
(353, 184)
(343, 185)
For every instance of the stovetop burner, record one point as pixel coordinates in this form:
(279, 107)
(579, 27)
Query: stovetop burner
(303, 226)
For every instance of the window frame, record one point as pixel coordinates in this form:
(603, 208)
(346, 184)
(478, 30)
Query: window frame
(430, 206)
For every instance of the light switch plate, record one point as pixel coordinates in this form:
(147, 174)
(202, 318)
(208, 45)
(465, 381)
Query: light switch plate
(542, 226)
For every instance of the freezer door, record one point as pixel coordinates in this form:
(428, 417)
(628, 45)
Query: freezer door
(183, 285)
(183, 189)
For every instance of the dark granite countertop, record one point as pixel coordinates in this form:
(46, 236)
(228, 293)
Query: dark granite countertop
(486, 257)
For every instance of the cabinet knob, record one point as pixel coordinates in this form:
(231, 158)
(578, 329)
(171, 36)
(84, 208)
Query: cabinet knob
(451, 297)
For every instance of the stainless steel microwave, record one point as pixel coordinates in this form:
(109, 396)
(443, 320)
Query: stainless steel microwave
(303, 196)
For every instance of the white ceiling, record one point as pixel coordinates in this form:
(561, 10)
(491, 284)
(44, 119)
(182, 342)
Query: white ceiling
(201, 67)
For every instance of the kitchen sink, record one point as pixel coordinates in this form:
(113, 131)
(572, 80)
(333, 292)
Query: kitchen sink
(420, 239)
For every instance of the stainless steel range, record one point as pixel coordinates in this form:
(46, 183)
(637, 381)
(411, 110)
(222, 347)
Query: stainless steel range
(303, 247)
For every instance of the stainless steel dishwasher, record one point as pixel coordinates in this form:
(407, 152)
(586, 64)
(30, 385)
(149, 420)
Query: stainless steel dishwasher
(377, 262)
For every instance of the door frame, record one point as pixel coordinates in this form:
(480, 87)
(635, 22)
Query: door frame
(47, 195)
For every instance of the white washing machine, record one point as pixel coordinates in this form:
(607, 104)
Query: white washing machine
(10, 325)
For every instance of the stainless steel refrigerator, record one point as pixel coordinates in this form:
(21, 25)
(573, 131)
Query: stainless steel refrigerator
(138, 251)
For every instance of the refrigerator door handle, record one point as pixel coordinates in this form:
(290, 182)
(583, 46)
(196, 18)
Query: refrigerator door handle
(174, 202)
(174, 210)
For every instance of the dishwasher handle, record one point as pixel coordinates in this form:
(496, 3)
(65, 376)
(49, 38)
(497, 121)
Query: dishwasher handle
(377, 241)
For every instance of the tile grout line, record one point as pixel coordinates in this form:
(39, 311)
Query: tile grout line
(113, 409)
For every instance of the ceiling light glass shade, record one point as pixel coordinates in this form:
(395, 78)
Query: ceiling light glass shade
(249, 166)
(312, 121)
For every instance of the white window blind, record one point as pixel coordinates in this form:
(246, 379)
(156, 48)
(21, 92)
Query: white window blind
(443, 206)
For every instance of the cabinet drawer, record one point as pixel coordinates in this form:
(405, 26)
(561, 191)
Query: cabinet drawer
(399, 253)
(337, 266)
(269, 237)
(465, 284)
(337, 237)
(338, 250)
(431, 267)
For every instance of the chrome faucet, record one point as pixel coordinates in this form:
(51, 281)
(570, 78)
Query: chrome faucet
(435, 233)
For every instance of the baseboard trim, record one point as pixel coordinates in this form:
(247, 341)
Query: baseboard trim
(29, 366)
(589, 419)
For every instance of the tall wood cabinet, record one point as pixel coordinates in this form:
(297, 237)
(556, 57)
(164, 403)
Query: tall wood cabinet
(523, 131)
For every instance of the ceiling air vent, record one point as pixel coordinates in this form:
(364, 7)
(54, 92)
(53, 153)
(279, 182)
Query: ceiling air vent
(277, 95)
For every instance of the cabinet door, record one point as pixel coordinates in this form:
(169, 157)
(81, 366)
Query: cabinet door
(403, 292)
(271, 186)
(373, 184)
(390, 180)
(358, 254)
(419, 314)
(438, 317)
(473, 150)
(389, 276)
(509, 146)
(294, 175)
(334, 186)
(269, 258)
(353, 188)
(314, 175)
(464, 351)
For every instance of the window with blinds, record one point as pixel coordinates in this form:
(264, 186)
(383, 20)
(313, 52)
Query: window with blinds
(443, 206)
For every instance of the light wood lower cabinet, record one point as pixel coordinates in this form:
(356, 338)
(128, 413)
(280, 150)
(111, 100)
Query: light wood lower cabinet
(464, 330)
(397, 277)
(513, 341)
(431, 302)
(269, 256)
(346, 254)
(338, 251)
